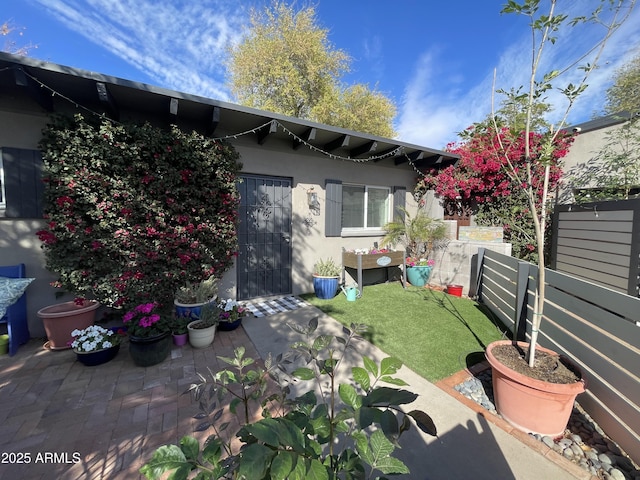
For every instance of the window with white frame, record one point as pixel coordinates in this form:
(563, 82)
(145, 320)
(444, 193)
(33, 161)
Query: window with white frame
(365, 207)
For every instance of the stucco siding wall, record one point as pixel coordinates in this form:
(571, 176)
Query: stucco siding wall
(307, 169)
(582, 155)
(310, 169)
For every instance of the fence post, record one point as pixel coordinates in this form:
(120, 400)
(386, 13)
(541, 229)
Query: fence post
(520, 310)
(475, 284)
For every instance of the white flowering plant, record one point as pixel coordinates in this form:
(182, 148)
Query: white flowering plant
(231, 310)
(94, 338)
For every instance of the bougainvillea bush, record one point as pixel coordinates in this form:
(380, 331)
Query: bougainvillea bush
(133, 211)
(480, 179)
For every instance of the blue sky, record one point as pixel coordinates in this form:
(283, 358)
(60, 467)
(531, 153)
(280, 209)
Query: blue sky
(434, 59)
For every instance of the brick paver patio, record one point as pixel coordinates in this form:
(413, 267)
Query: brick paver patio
(64, 420)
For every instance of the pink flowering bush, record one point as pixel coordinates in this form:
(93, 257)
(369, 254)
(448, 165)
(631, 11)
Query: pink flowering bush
(420, 262)
(480, 181)
(145, 321)
(133, 212)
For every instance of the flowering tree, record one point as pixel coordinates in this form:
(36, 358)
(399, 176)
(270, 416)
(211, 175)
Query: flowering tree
(481, 179)
(132, 212)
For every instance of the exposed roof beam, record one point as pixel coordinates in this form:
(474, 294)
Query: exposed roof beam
(383, 154)
(264, 132)
(341, 141)
(409, 157)
(367, 147)
(308, 135)
(108, 101)
(213, 123)
(34, 89)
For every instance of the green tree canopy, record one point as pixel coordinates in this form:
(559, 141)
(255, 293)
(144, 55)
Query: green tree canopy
(286, 64)
(624, 94)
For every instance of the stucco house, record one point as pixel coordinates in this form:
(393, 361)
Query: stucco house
(581, 164)
(308, 190)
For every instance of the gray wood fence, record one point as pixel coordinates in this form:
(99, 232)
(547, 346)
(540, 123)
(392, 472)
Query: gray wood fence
(599, 242)
(598, 328)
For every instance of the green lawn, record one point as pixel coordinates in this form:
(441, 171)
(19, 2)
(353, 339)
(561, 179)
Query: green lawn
(432, 333)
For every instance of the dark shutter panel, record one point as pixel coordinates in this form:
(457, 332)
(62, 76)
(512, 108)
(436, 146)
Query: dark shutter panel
(399, 195)
(23, 182)
(333, 208)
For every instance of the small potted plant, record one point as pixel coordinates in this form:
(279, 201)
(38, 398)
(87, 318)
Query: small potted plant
(190, 297)
(326, 278)
(420, 235)
(95, 345)
(148, 328)
(202, 331)
(231, 313)
(179, 331)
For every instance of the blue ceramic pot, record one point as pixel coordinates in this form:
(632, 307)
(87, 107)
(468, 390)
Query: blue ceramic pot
(91, 359)
(418, 276)
(228, 326)
(325, 288)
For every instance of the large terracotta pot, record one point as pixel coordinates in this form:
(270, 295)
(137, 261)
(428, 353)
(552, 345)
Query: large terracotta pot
(530, 405)
(63, 318)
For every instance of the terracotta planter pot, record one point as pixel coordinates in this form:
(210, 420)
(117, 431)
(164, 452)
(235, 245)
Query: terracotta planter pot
(530, 405)
(61, 319)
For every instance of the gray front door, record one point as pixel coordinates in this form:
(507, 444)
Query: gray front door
(264, 237)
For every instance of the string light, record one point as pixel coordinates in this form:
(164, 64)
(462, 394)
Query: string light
(396, 151)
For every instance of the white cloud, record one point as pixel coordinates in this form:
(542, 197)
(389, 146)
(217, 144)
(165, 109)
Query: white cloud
(181, 45)
(433, 108)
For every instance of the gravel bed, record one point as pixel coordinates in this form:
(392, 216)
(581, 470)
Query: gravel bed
(584, 442)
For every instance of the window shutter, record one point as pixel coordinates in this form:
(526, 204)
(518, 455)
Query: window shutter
(23, 182)
(333, 208)
(399, 196)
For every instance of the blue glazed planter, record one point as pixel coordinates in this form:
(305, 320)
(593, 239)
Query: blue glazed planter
(419, 276)
(229, 326)
(91, 359)
(189, 312)
(325, 288)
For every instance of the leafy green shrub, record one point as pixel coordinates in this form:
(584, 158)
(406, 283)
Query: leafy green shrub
(326, 268)
(133, 211)
(348, 432)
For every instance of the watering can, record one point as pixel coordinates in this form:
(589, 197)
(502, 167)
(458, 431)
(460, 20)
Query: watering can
(351, 292)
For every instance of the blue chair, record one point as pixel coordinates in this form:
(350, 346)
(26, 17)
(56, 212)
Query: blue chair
(16, 315)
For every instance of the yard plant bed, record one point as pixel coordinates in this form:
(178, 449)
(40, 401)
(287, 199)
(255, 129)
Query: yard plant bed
(546, 367)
